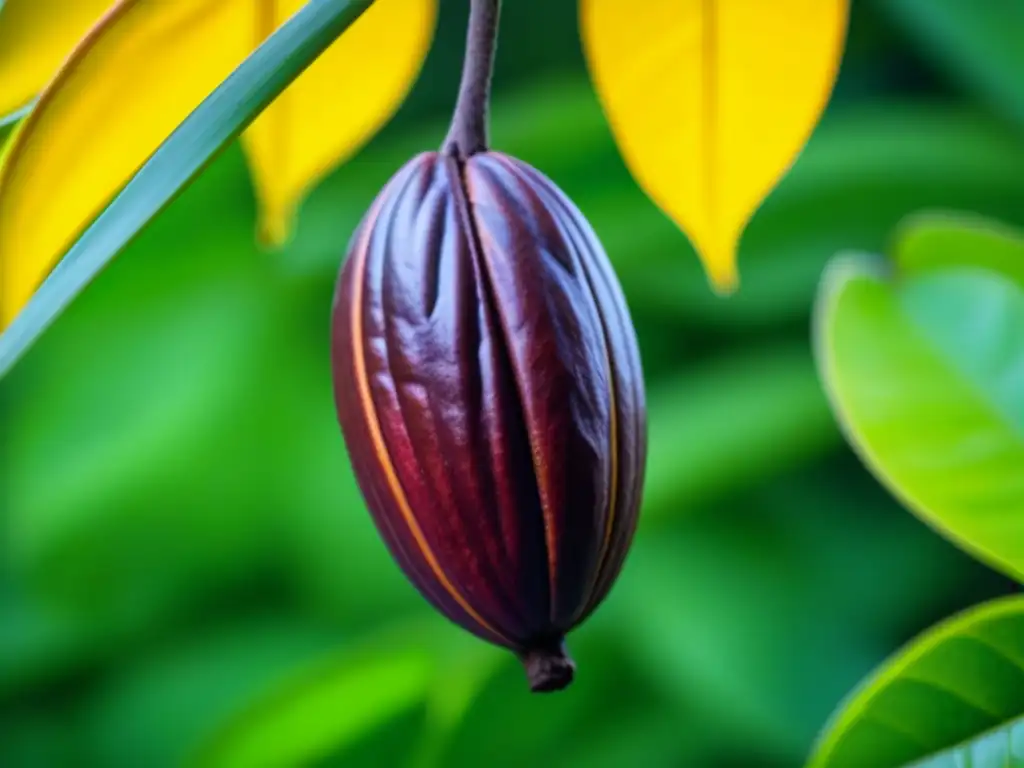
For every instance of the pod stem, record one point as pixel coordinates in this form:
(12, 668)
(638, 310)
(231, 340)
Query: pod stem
(549, 667)
(468, 132)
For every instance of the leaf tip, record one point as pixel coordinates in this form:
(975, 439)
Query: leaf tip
(723, 276)
(274, 226)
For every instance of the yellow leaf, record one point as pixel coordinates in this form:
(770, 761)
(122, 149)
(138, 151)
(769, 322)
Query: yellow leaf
(336, 106)
(141, 71)
(124, 89)
(35, 36)
(711, 101)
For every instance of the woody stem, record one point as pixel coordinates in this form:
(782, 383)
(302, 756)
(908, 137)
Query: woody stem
(468, 132)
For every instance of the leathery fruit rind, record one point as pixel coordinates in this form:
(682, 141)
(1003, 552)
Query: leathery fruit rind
(489, 388)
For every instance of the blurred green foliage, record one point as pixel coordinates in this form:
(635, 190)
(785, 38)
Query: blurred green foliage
(186, 568)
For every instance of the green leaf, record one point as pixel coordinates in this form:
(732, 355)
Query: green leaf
(926, 375)
(935, 240)
(977, 43)
(220, 118)
(318, 714)
(959, 685)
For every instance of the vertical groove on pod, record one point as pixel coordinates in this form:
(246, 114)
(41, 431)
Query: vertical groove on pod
(581, 243)
(380, 449)
(600, 275)
(479, 235)
(525, 543)
(487, 286)
(438, 418)
(348, 275)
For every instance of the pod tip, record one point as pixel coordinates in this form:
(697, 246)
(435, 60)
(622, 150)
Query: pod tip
(549, 667)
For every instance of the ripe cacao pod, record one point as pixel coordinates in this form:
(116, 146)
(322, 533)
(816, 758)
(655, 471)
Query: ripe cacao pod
(489, 389)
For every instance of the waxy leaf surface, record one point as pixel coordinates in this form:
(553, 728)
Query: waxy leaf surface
(926, 374)
(930, 241)
(144, 69)
(954, 697)
(711, 102)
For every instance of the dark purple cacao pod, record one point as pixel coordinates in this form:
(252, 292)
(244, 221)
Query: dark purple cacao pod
(489, 388)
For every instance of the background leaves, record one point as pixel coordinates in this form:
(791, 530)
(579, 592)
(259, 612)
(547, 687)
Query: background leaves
(923, 358)
(976, 46)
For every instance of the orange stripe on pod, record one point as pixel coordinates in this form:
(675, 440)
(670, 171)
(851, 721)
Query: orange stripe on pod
(380, 449)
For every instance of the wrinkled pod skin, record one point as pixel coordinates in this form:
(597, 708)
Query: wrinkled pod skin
(489, 389)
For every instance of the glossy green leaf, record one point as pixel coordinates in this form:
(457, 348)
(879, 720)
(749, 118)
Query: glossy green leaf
(935, 240)
(329, 706)
(977, 43)
(214, 123)
(926, 374)
(957, 687)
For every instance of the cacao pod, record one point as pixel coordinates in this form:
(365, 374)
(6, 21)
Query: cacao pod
(489, 388)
